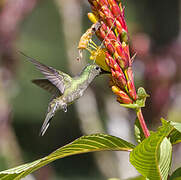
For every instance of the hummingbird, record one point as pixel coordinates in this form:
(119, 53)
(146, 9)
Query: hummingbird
(64, 88)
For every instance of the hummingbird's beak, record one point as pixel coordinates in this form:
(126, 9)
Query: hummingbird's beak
(104, 72)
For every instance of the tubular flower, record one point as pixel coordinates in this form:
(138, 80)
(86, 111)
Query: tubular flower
(113, 33)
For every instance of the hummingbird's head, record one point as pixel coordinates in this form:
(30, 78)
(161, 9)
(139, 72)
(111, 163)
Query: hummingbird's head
(93, 70)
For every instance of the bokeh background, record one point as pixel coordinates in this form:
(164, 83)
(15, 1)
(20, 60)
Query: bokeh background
(49, 31)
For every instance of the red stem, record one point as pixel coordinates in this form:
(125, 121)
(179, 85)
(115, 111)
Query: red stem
(142, 123)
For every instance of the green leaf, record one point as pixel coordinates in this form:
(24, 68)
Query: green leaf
(164, 158)
(140, 102)
(176, 125)
(152, 156)
(142, 95)
(137, 178)
(175, 136)
(176, 175)
(85, 144)
(131, 106)
(138, 132)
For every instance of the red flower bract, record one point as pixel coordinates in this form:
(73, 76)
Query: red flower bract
(113, 33)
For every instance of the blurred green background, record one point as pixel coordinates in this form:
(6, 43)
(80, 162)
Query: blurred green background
(49, 31)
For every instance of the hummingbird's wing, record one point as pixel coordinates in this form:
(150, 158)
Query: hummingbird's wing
(46, 84)
(57, 78)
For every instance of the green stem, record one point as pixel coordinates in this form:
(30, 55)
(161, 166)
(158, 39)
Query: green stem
(142, 123)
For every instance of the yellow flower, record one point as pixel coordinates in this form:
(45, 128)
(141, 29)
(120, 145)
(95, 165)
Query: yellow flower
(99, 56)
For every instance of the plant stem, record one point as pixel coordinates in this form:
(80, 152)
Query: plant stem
(142, 123)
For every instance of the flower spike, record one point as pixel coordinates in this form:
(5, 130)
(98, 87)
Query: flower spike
(115, 55)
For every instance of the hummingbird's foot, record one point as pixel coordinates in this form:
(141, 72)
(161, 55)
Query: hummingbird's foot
(64, 107)
(80, 55)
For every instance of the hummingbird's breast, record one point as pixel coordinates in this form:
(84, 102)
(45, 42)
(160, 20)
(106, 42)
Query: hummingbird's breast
(74, 92)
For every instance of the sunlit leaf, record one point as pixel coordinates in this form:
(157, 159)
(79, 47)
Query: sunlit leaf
(85, 144)
(176, 125)
(152, 156)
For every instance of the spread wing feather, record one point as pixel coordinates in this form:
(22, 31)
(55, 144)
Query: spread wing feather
(46, 84)
(58, 78)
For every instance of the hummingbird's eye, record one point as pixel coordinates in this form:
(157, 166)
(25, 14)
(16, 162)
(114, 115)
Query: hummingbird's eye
(97, 68)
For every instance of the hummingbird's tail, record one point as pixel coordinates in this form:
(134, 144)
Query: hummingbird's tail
(45, 124)
(49, 116)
